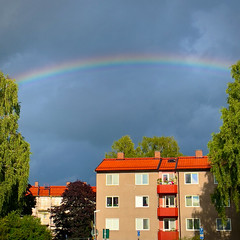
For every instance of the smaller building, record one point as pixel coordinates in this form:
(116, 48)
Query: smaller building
(47, 197)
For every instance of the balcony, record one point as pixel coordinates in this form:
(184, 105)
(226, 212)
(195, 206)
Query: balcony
(167, 212)
(167, 189)
(168, 235)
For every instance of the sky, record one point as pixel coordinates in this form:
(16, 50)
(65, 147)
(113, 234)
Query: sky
(90, 72)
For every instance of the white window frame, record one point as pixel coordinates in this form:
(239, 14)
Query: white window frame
(191, 177)
(141, 178)
(109, 224)
(192, 200)
(112, 202)
(169, 220)
(141, 220)
(112, 183)
(193, 224)
(139, 199)
(165, 201)
(223, 230)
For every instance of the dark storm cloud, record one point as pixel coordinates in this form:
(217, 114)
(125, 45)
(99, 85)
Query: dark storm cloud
(72, 120)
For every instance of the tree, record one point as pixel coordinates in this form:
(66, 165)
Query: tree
(14, 150)
(75, 214)
(224, 149)
(168, 147)
(14, 227)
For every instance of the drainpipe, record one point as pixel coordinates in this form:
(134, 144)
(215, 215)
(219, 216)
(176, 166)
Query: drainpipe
(179, 218)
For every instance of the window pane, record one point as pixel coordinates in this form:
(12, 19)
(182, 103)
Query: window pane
(115, 224)
(196, 223)
(188, 201)
(109, 201)
(188, 178)
(171, 198)
(194, 178)
(145, 201)
(165, 177)
(145, 224)
(115, 201)
(219, 224)
(172, 224)
(189, 224)
(115, 179)
(109, 179)
(166, 224)
(228, 225)
(139, 201)
(138, 179)
(144, 179)
(139, 225)
(196, 201)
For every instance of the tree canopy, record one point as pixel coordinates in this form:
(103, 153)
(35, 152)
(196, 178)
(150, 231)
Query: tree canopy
(168, 147)
(75, 214)
(224, 149)
(14, 150)
(14, 227)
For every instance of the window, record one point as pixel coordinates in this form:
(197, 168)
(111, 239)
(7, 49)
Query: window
(141, 201)
(112, 223)
(191, 178)
(192, 201)
(221, 227)
(112, 202)
(169, 201)
(141, 178)
(142, 224)
(193, 224)
(166, 178)
(112, 179)
(169, 224)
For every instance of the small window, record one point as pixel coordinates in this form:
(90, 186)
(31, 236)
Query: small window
(141, 178)
(193, 224)
(142, 224)
(191, 178)
(112, 202)
(112, 179)
(215, 180)
(192, 201)
(112, 223)
(141, 201)
(169, 224)
(169, 201)
(221, 227)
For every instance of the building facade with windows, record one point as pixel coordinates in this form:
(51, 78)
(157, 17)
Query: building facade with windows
(159, 198)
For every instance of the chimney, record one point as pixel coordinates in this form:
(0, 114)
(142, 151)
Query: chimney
(157, 154)
(198, 154)
(36, 184)
(120, 155)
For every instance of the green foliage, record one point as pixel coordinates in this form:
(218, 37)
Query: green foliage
(14, 151)
(14, 227)
(224, 149)
(75, 214)
(168, 147)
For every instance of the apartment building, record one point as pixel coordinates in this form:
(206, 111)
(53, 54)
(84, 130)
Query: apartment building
(47, 197)
(159, 199)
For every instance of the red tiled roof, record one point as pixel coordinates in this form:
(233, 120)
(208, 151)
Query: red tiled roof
(167, 164)
(193, 163)
(128, 164)
(138, 164)
(54, 191)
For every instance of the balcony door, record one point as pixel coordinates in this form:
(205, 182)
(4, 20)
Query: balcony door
(170, 201)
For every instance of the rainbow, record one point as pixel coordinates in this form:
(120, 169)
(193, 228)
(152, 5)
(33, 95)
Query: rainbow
(120, 61)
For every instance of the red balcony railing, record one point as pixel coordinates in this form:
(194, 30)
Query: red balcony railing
(168, 235)
(167, 189)
(167, 212)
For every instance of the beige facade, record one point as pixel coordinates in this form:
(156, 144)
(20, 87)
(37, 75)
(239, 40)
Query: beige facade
(137, 204)
(169, 202)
